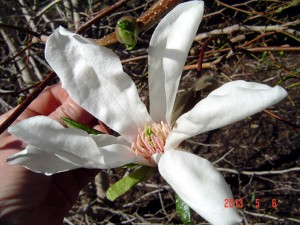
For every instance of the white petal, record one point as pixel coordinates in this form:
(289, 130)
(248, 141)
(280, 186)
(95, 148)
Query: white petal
(40, 161)
(119, 154)
(94, 78)
(73, 145)
(231, 102)
(199, 185)
(168, 50)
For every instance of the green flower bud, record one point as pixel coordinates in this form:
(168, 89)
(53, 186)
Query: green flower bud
(127, 31)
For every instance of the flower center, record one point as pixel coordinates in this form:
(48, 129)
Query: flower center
(151, 140)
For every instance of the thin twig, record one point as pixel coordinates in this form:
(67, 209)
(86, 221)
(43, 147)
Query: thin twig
(223, 157)
(76, 16)
(261, 29)
(8, 59)
(26, 102)
(252, 173)
(142, 57)
(24, 30)
(269, 113)
(16, 93)
(257, 49)
(200, 59)
(26, 75)
(47, 7)
(27, 16)
(271, 217)
(100, 15)
(195, 66)
(146, 20)
(238, 9)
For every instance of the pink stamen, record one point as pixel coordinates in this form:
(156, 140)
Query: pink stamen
(151, 140)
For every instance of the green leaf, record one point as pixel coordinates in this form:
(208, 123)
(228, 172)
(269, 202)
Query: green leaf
(131, 166)
(264, 56)
(126, 183)
(183, 210)
(73, 124)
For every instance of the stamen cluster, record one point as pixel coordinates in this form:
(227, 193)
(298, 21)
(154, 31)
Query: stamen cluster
(151, 140)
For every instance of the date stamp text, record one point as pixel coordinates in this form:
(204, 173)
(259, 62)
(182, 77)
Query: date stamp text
(239, 203)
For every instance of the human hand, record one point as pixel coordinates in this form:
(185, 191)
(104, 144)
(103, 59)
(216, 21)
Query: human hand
(30, 198)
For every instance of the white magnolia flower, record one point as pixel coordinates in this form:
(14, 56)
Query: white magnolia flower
(94, 78)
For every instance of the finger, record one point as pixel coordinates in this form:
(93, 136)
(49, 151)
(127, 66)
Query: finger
(54, 102)
(50, 99)
(44, 104)
(71, 110)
